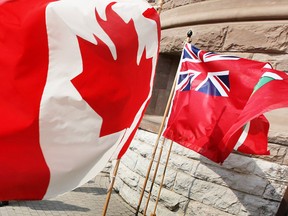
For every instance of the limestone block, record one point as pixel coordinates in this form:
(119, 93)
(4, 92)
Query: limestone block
(200, 209)
(271, 170)
(277, 153)
(215, 195)
(209, 38)
(183, 184)
(246, 37)
(142, 166)
(176, 3)
(129, 159)
(181, 150)
(141, 184)
(278, 61)
(240, 163)
(253, 205)
(225, 11)
(162, 210)
(285, 160)
(118, 184)
(130, 195)
(177, 149)
(274, 191)
(141, 148)
(278, 137)
(191, 154)
(211, 194)
(169, 199)
(242, 182)
(145, 137)
(108, 167)
(170, 176)
(182, 163)
(128, 177)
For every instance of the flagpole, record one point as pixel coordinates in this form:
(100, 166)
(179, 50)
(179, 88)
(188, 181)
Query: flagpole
(188, 39)
(155, 147)
(189, 34)
(154, 177)
(162, 180)
(110, 189)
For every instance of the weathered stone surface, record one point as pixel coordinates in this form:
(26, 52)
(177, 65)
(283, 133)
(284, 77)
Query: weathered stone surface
(176, 3)
(278, 138)
(253, 205)
(142, 166)
(170, 176)
(242, 182)
(148, 138)
(130, 195)
(277, 153)
(224, 11)
(285, 160)
(169, 199)
(142, 148)
(118, 184)
(129, 159)
(108, 167)
(240, 163)
(274, 191)
(208, 193)
(199, 209)
(262, 37)
(211, 38)
(271, 170)
(183, 184)
(128, 177)
(215, 195)
(268, 37)
(162, 210)
(224, 188)
(186, 165)
(278, 61)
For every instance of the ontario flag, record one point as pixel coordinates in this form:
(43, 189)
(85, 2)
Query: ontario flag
(219, 101)
(76, 78)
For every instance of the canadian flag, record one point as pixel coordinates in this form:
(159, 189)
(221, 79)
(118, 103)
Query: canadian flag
(76, 77)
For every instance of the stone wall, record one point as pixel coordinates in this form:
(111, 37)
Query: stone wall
(243, 185)
(194, 185)
(256, 30)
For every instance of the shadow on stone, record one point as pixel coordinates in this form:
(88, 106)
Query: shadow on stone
(240, 185)
(49, 205)
(94, 190)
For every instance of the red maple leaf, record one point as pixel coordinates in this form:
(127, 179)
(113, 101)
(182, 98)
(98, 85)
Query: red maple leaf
(115, 89)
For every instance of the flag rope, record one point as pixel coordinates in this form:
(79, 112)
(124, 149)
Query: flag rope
(188, 39)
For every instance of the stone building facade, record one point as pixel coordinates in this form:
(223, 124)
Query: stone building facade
(244, 184)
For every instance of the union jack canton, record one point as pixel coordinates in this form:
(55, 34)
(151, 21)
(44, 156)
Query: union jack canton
(215, 83)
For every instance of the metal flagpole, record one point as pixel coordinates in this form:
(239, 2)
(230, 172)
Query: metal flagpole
(189, 34)
(110, 189)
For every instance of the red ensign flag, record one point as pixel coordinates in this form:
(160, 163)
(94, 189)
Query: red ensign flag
(76, 77)
(219, 103)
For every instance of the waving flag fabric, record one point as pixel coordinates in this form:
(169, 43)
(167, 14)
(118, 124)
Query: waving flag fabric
(219, 102)
(76, 77)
